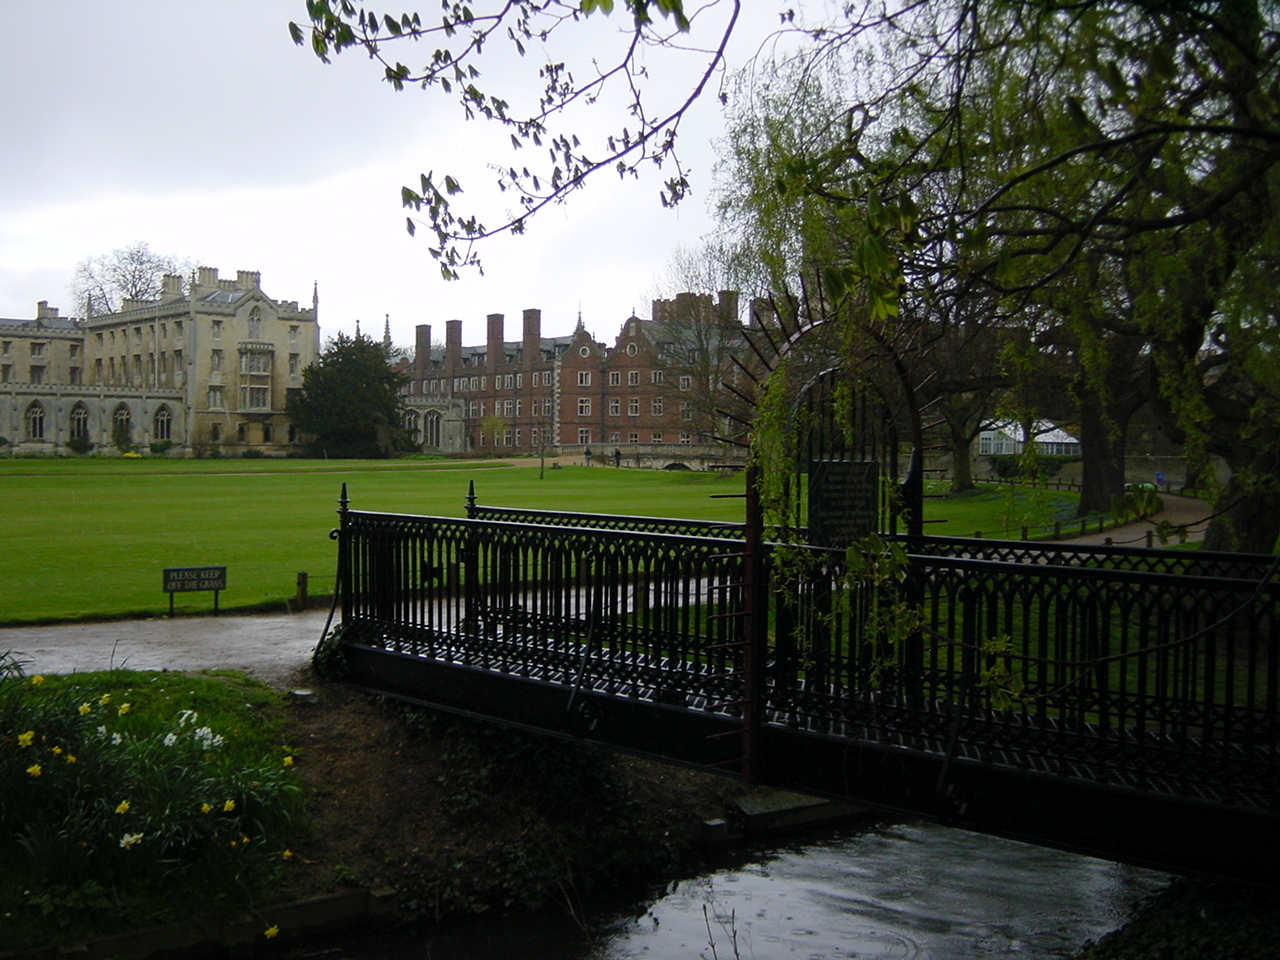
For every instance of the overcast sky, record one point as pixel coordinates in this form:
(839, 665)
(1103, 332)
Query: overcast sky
(203, 130)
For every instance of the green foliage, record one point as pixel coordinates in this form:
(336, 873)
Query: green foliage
(79, 445)
(112, 793)
(350, 403)
(460, 35)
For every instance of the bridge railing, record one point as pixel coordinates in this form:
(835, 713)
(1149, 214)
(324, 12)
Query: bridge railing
(1120, 674)
(632, 614)
(1201, 563)
(1130, 677)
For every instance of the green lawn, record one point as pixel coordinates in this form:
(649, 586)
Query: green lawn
(89, 538)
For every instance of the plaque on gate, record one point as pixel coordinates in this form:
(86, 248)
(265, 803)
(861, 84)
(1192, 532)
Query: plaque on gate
(843, 501)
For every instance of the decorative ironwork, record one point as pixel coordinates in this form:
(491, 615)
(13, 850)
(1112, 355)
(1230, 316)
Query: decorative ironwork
(1142, 675)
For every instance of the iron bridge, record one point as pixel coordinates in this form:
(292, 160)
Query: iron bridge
(1118, 703)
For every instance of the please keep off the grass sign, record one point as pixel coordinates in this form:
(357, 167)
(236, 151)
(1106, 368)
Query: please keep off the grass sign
(192, 579)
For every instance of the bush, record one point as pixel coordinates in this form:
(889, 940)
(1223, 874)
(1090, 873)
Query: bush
(109, 797)
(161, 446)
(79, 445)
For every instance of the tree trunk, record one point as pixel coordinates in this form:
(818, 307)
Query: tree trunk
(1102, 447)
(1250, 522)
(961, 463)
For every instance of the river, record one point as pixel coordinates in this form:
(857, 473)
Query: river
(893, 890)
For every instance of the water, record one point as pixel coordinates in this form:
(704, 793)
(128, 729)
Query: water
(911, 890)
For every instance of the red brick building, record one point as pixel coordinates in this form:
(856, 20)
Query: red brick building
(650, 388)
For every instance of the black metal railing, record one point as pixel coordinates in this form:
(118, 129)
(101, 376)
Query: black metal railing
(1201, 563)
(1134, 671)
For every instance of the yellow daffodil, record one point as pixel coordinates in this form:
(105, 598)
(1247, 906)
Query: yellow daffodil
(288, 761)
(271, 932)
(123, 807)
(34, 770)
(56, 751)
(70, 758)
(105, 699)
(229, 806)
(205, 808)
(124, 708)
(84, 709)
(37, 680)
(288, 854)
(24, 739)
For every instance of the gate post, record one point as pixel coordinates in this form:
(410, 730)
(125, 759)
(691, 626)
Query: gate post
(756, 625)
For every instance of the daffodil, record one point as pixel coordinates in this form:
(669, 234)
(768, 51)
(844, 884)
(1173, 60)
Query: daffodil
(105, 699)
(37, 680)
(34, 770)
(24, 739)
(129, 839)
(288, 854)
(288, 761)
(205, 808)
(123, 807)
(124, 708)
(271, 932)
(84, 709)
(229, 806)
(56, 751)
(70, 758)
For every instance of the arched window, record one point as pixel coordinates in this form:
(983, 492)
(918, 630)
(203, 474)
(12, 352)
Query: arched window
(431, 436)
(411, 427)
(79, 422)
(121, 427)
(162, 424)
(255, 324)
(34, 420)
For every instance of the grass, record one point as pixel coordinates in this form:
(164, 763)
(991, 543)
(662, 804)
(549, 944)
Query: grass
(131, 798)
(89, 538)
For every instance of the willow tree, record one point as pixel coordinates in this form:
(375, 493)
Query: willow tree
(1112, 162)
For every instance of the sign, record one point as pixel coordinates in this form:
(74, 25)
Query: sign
(191, 579)
(844, 498)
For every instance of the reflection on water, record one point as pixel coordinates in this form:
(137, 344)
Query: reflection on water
(910, 890)
(907, 890)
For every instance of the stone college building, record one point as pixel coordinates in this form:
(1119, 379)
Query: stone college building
(206, 371)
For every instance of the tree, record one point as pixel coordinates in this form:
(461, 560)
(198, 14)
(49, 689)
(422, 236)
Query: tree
(351, 402)
(1115, 161)
(134, 272)
(641, 133)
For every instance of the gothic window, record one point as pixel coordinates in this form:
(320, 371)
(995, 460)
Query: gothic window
(411, 426)
(215, 397)
(255, 324)
(34, 421)
(432, 432)
(162, 424)
(121, 426)
(79, 422)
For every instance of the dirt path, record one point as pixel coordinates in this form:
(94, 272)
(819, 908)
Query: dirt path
(1178, 511)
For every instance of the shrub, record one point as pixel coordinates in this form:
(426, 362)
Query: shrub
(79, 445)
(112, 796)
(161, 446)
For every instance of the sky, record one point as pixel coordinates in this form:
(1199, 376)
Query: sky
(204, 131)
